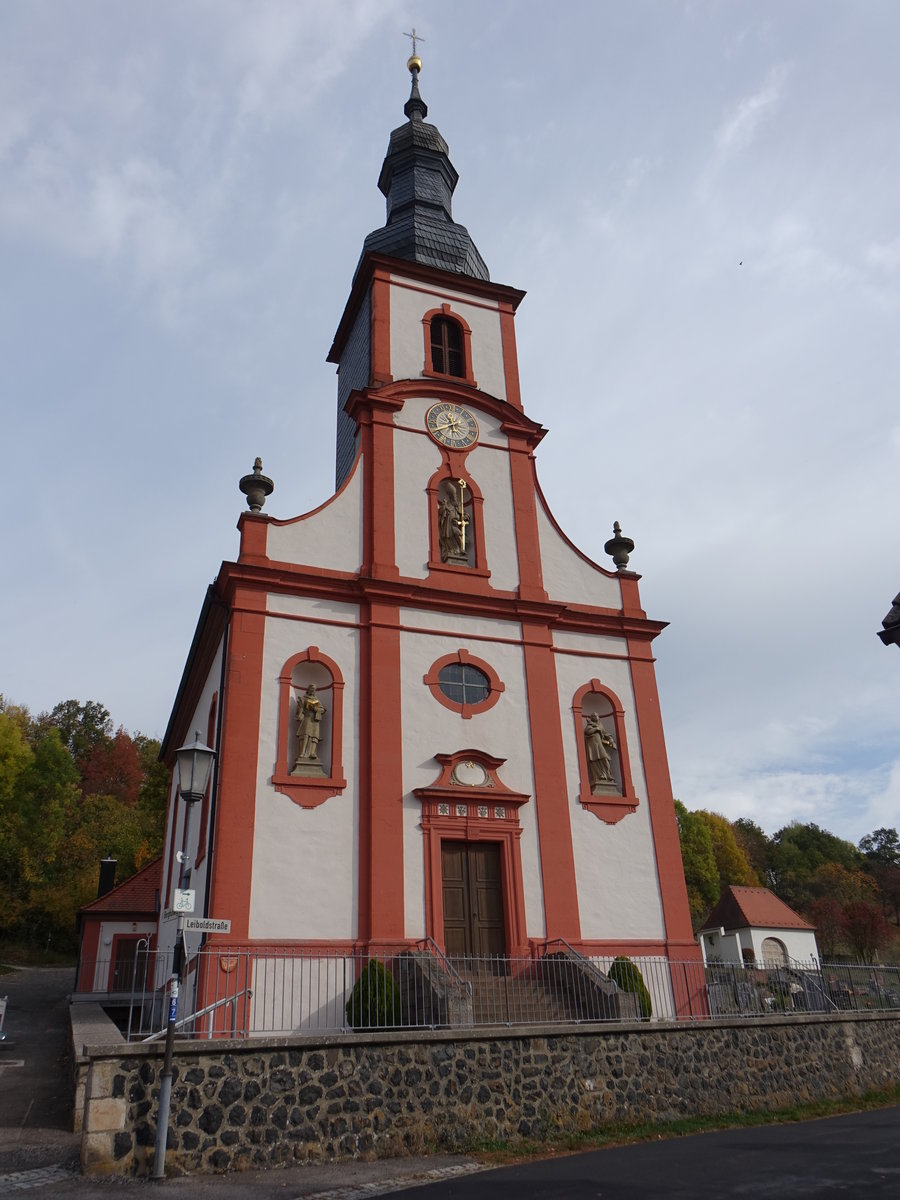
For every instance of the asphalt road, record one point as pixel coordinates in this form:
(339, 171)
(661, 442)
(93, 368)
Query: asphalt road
(36, 1073)
(850, 1156)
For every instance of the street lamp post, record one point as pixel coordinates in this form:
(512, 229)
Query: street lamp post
(194, 763)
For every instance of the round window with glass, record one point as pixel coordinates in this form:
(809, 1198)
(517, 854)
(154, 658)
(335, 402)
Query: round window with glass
(464, 684)
(467, 685)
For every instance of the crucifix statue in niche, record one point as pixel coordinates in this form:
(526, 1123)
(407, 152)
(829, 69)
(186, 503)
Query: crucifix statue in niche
(599, 745)
(310, 711)
(453, 523)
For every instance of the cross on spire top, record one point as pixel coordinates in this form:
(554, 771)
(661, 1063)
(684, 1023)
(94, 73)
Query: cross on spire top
(416, 37)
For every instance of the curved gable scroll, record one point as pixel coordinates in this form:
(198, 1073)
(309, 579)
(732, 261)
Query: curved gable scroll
(613, 800)
(310, 784)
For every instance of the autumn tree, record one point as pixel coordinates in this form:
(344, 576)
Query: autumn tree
(71, 792)
(837, 883)
(867, 930)
(732, 864)
(828, 917)
(701, 874)
(113, 768)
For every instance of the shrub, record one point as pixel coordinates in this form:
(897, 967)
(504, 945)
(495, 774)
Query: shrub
(628, 977)
(375, 1000)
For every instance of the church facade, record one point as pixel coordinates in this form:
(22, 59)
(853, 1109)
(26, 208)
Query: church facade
(436, 720)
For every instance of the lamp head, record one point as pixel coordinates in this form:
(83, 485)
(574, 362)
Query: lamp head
(194, 766)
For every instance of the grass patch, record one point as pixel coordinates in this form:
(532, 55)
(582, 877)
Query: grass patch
(504, 1153)
(18, 954)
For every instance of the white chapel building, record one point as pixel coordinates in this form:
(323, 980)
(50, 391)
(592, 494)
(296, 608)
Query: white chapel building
(436, 720)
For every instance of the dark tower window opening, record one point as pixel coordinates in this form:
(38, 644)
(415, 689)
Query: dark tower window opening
(447, 347)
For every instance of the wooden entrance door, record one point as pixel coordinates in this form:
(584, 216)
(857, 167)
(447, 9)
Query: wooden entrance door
(473, 899)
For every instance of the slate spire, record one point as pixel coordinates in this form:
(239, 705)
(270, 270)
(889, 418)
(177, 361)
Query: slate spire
(418, 180)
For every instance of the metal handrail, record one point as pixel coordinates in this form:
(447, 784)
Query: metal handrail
(580, 958)
(428, 943)
(195, 1016)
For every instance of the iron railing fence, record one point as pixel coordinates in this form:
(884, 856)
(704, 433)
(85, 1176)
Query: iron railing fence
(253, 991)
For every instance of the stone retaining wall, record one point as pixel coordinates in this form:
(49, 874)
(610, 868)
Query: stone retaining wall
(267, 1102)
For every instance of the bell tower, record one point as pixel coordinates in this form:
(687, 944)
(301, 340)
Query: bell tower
(441, 724)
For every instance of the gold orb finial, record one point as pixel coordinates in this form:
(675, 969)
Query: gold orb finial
(413, 63)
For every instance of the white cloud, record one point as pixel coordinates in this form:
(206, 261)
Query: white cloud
(884, 255)
(741, 126)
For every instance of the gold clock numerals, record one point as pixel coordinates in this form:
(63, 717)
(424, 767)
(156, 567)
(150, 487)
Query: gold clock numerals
(452, 426)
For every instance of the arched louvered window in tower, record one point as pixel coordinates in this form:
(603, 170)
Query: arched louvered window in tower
(447, 347)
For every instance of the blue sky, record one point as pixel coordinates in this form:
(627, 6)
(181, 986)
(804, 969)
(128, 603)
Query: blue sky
(702, 201)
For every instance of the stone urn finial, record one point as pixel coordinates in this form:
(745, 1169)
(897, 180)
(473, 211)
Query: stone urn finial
(256, 487)
(619, 547)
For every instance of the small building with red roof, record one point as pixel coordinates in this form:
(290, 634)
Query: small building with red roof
(117, 934)
(751, 925)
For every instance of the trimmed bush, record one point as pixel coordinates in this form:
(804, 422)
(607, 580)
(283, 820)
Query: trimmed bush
(628, 977)
(375, 1000)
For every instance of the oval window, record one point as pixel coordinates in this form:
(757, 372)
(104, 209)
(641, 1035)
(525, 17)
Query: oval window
(464, 684)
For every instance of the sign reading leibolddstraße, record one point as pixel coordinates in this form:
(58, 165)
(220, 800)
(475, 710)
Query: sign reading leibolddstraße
(206, 925)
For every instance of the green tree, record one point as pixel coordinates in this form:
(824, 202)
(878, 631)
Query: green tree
(757, 847)
(798, 850)
(15, 758)
(153, 797)
(375, 999)
(70, 793)
(42, 813)
(882, 846)
(698, 858)
(81, 726)
(626, 975)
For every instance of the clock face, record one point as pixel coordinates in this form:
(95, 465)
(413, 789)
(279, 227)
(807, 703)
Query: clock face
(452, 426)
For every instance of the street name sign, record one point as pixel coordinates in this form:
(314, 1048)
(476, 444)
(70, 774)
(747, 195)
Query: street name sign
(207, 925)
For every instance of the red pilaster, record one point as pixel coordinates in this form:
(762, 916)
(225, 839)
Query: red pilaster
(528, 546)
(380, 317)
(381, 909)
(239, 749)
(510, 354)
(550, 793)
(676, 914)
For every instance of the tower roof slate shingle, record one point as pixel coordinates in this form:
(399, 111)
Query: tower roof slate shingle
(756, 907)
(418, 181)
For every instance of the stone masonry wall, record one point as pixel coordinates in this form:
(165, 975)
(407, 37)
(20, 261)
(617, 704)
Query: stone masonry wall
(267, 1102)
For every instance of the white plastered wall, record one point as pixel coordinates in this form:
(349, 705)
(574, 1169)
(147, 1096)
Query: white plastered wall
(430, 728)
(305, 878)
(199, 721)
(568, 576)
(615, 865)
(109, 930)
(410, 301)
(416, 458)
(330, 536)
(800, 944)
